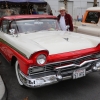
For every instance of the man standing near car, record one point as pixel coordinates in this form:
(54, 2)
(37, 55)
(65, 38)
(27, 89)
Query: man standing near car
(65, 19)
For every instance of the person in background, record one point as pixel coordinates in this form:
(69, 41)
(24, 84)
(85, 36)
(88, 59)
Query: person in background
(34, 11)
(65, 19)
(50, 12)
(45, 13)
(12, 12)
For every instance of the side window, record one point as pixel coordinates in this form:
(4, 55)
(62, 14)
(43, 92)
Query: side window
(5, 26)
(92, 17)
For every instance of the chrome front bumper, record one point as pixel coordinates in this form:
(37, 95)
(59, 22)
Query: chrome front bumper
(43, 81)
(55, 77)
(38, 82)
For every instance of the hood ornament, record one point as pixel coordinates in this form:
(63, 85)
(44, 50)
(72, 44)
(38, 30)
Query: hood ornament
(66, 39)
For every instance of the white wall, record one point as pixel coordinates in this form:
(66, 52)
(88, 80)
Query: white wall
(79, 7)
(54, 6)
(75, 7)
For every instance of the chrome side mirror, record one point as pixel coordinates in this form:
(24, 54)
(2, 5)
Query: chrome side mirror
(67, 27)
(12, 31)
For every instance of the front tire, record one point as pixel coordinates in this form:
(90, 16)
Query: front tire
(17, 69)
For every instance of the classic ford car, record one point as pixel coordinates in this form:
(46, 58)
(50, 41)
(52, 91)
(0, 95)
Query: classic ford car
(90, 23)
(43, 54)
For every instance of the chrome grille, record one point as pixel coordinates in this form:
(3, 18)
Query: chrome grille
(52, 66)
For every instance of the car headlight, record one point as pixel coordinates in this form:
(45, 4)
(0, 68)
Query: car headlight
(41, 59)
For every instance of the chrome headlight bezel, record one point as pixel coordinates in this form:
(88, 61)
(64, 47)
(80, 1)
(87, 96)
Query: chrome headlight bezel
(41, 59)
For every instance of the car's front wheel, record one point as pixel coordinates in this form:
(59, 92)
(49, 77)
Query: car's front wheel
(17, 69)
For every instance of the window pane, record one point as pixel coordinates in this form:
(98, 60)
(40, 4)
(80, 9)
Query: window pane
(92, 17)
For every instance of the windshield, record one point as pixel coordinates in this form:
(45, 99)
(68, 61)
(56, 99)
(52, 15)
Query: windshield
(35, 25)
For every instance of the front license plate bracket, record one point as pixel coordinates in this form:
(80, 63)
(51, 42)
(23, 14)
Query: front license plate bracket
(79, 73)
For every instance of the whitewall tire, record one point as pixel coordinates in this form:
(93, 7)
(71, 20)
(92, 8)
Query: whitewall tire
(17, 73)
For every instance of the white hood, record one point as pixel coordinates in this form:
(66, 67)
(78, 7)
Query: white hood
(54, 41)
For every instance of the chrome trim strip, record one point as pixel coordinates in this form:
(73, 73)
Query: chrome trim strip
(85, 62)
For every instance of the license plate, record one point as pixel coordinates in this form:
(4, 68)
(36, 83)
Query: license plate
(79, 73)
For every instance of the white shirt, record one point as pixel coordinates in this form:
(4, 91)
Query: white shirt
(62, 23)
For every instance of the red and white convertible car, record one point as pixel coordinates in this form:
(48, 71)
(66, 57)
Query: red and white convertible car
(43, 54)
